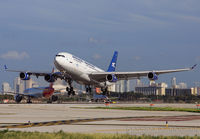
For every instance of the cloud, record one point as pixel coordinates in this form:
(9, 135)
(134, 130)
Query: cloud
(92, 40)
(137, 58)
(142, 19)
(189, 18)
(95, 41)
(96, 56)
(40, 28)
(197, 59)
(181, 17)
(14, 55)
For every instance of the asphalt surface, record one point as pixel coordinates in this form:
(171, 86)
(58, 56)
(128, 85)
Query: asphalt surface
(73, 118)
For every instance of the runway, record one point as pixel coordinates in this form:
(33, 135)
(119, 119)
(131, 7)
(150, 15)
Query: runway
(71, 118)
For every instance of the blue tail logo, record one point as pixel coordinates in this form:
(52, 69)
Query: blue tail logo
(113, 62)
(5, 67)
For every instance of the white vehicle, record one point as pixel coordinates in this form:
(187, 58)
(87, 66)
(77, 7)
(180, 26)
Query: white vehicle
(72, 68)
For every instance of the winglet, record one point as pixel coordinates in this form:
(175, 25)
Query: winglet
(5, 67)
(193, 67)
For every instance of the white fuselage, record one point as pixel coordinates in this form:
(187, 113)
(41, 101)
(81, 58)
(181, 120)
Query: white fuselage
(76, 68)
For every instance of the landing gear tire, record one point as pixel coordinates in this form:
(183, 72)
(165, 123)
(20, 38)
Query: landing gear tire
(29, 101)
(105, 92)
(88, 89)
(70, 91)
(49, 101)
(54, 98)
(67, 89)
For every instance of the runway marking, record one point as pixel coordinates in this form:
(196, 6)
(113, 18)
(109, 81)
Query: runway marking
(67, 122)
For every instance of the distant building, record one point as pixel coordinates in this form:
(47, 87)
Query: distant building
(174, 82)
(153, 89)
(28, 84)
(178, 92)
(138, 83)
(18, 85)
(112, 88)
(6, 87)
(121, 87)
(182, 85)
(152, 83)
(126, 85)
(117, 87)
(196, 91)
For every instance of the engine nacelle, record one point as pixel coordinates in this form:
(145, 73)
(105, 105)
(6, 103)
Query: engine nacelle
(111, 78)
(152, 76)
(24, 76)
(18, 98)
(49, 78)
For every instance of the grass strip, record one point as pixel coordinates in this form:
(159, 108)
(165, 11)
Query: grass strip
(5, 134)
(150, 109)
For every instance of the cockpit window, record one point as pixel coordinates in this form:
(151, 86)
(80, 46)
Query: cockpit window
(60, 56)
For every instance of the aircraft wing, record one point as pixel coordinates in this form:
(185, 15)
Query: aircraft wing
(39, 73)
(35, 73)
(101, 76)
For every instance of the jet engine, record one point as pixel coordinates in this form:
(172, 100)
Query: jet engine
(18, 98)
(111, 78)
(152, 76)
(24, 76)
(49, 78)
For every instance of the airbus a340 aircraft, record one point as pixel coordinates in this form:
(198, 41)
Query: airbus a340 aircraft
(72, 68)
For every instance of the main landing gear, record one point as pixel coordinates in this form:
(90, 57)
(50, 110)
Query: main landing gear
(88, 89)
(29, 100)
(52, 99)
(105, 91)
(70, 89)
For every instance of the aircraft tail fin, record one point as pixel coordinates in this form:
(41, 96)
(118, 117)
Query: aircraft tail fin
(5, 67)
(113, 62)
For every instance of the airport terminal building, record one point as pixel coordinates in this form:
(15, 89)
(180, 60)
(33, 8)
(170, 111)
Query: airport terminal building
(162, 89)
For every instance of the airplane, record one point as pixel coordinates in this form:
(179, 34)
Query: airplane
(72, 68)
(37, 92)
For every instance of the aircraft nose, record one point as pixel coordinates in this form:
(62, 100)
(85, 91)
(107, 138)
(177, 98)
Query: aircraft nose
(56, 60)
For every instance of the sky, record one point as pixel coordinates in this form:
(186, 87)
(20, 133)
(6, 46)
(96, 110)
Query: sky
(149, 34)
